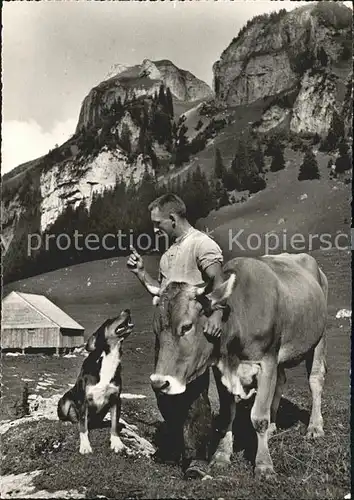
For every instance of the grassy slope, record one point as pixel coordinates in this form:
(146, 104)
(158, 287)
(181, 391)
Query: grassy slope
(241, 116)
(305, 470)
(326, 209)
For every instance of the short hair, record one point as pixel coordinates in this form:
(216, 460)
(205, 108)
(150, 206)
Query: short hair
(169, 202)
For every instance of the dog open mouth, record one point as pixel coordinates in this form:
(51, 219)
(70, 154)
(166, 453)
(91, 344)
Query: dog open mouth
(125, 328)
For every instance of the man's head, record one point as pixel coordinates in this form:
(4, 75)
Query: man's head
(168, 214)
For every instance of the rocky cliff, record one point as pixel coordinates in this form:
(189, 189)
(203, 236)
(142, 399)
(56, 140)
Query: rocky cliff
(108, 144)
(74, 184)
(307, 49)
(143, 79)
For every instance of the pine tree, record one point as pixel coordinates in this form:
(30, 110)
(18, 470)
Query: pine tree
(336, 133)
(169, 102)
(309, 168)
(174, 131)
(229, 180)
(344, 161)
(259, 158)
(278, 162)
(219, 169)
(162, 97)
(141, 140)
(220, 193)
(272, 146)
(125, 138)
(182, 152)
(244, 172)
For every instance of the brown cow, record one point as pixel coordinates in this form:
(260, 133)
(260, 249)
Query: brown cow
(277, 318)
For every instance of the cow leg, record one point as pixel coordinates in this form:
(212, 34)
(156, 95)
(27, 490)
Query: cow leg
(197, 427)
(281, 379)
(85, 446)
(116, 443)
(227, 412)
(173, 410)
(316, 370)
(260, 415)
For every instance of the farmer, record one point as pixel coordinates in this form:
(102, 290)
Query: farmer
(195, 258)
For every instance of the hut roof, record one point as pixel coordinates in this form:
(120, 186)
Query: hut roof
(29, 310)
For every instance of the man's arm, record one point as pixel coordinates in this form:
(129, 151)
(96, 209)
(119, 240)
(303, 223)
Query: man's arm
(214, 275)
(148, 282)
(136, 265)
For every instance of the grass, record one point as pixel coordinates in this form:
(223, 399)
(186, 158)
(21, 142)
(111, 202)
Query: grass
(304, 469)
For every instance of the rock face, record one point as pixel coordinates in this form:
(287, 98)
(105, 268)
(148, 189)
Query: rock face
(64, 185)
(313, 108)
(273, 54)
(143, 79)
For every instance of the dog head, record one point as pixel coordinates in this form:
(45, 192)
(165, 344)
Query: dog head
(112, 332)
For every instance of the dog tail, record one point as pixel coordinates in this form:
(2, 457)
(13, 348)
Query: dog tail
(67, 410)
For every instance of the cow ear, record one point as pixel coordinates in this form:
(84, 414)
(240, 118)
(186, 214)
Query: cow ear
(223, 292)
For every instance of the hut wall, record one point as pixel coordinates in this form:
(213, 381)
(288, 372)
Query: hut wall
(14, 338)
(71, 338)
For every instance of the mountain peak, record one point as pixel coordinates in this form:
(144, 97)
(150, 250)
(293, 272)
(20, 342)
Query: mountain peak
(140, 79)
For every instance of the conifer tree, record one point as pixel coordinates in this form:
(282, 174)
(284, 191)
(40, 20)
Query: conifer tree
(336, 133)
(219, 169)
(125, 138)
(182, 152)
(309, 168)
(344, 161)
(259, 158)
(162, 97)
(169, 102)
(278, 162)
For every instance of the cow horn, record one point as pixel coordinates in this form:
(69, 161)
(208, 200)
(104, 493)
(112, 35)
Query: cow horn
(224, 291)
(200, 289)
(155, 300)
(154, 290)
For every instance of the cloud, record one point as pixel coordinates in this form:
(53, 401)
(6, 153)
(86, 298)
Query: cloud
(25, 141)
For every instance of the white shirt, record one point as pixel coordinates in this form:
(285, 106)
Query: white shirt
(188, 257)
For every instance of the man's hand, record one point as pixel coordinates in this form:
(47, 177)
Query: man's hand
(135, 261)
(212, 325)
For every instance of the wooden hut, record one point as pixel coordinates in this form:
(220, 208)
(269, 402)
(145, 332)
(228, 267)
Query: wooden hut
(32, 321)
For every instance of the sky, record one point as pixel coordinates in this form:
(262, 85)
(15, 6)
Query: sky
(54, 52)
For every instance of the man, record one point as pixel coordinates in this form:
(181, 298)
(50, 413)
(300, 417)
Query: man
(195, 258)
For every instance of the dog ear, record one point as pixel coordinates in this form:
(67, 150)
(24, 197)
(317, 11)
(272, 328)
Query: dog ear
(91, 343)
(96, 338)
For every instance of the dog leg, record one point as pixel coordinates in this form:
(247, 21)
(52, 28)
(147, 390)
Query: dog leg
(85, 446)
(116, 444)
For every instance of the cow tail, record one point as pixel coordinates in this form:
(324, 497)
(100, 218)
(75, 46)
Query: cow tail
(323, 282)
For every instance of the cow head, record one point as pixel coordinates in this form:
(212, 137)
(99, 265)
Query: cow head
(110, 333)
(184, 350)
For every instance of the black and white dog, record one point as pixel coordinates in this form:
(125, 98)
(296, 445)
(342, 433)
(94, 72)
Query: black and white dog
(99, 383)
